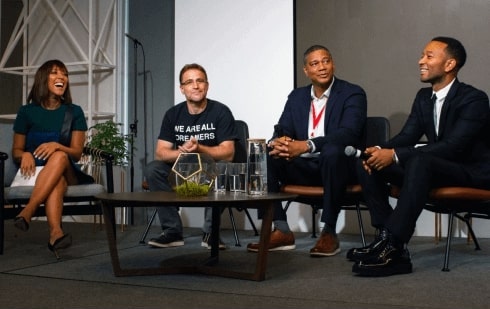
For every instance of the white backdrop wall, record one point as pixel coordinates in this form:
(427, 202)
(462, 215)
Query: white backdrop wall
(246, 48)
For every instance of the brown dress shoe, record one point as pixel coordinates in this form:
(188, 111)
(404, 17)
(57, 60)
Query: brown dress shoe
(327, 245)
(278, 241)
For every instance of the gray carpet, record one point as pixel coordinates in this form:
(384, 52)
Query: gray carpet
(30, 276)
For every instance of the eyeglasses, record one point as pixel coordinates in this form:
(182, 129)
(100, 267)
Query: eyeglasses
(198, 81)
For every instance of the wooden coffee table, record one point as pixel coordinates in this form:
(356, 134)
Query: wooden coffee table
(216, 201)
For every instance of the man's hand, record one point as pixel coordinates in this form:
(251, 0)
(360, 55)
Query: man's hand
(189, 146)
(287, 148)
(379, 159)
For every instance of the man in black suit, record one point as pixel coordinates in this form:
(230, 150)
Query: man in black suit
(455, 119)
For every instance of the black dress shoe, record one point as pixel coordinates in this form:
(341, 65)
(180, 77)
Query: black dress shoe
(21, 223)
(61, 243)
(391, 260)
(363, 253)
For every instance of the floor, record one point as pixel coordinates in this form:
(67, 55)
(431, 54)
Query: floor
(31, 277)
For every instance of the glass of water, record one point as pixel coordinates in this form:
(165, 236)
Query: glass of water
(236, 176)
(221, 177)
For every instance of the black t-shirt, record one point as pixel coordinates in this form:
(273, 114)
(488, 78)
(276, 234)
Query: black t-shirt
(211, 127)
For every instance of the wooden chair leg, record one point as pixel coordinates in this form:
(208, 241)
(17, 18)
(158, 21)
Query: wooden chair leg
(471, 233)
(437, 227)
(313, 221)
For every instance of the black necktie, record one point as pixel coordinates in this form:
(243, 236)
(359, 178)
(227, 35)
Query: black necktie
(433, 100)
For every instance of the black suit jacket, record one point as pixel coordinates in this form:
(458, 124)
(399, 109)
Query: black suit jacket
(345, 115)
(464, 127)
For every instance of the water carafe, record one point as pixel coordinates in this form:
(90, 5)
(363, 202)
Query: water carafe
(257, 167)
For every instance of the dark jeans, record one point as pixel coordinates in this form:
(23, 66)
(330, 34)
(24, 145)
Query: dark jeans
(156, 173)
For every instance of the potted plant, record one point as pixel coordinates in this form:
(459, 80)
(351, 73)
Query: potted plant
(193, 174)
(108, 137)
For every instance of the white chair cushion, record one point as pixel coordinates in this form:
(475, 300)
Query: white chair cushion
(24, 192)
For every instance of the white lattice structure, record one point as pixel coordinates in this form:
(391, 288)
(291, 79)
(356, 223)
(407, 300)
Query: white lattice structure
(81, 33)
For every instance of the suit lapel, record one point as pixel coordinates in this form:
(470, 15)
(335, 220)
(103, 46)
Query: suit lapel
(331, 104)
(445, 107)
(429, 110)
(304, 113)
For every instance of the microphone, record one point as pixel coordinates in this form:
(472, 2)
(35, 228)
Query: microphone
(133, 39)
(353, 152)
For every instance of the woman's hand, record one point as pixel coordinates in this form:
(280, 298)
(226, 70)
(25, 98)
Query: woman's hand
(27, 165)
(45, 150)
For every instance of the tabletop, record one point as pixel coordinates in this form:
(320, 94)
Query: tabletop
(164, 197)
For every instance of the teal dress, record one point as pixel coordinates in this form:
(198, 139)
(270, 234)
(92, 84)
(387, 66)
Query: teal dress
(40, 126)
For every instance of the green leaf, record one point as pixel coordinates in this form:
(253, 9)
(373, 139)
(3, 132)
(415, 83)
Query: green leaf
(108, 137)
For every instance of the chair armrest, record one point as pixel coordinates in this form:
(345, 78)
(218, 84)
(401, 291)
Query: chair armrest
(3, 158)
(99, 153)
(108, 159)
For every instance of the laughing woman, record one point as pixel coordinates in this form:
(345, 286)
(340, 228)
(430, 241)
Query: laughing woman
(49, 131)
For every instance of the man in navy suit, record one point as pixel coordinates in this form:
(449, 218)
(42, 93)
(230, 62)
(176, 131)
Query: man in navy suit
(317, 122)
(455, 118)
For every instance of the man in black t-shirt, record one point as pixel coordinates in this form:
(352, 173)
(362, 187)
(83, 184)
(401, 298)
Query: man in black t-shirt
(196, 125)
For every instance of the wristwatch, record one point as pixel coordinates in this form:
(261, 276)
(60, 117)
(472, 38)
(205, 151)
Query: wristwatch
(310, 145)
(394, 157)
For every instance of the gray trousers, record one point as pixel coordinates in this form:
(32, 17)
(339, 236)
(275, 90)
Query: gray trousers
(156, 173)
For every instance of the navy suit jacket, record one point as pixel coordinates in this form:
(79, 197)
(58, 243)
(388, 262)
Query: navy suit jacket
(464, 127)
(345, 115)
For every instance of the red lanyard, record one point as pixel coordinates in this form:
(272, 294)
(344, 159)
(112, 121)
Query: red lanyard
(316, 118)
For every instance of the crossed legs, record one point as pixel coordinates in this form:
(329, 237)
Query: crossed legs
(50, 187)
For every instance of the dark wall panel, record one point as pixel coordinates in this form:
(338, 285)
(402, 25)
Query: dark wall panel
(152, 24)
(10, 84)
(377, 44)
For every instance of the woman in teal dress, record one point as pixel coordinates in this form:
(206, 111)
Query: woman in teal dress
(41, 139)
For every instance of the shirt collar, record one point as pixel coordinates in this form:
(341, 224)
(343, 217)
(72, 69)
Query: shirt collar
(326, 94)
(442, 93)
